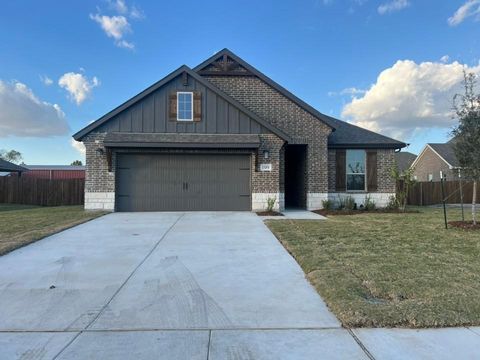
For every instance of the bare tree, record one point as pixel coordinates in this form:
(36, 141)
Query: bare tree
(467, 133)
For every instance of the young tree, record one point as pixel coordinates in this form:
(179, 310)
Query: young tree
(405, 181)
(77, 162)
(12, 156)
(467, 133)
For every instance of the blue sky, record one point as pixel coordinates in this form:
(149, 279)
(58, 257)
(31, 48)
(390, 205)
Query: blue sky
(389, 65)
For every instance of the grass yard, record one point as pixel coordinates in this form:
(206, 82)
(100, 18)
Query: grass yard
(23, 224)
(398, 270)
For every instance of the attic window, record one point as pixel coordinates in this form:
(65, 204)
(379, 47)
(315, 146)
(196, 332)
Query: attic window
(185, 106)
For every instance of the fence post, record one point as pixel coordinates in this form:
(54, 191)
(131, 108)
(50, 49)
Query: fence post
(442, 180)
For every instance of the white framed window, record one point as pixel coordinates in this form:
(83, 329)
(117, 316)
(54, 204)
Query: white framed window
(355, 170)
(184, 106)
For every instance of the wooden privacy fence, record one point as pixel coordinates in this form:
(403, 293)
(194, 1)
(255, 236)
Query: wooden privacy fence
(44, 192)
(430, 193)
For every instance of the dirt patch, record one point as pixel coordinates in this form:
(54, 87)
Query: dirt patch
(467, 225)
(269, 213)
(324, 212)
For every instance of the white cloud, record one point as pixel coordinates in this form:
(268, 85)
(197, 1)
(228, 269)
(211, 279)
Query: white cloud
(78, 145)
(46, 80)
(114, 26)
(445, 59)
(392, 6)
(78, 86)
(120, 6)
(352, 91)
(408, 97)
(118, 26)
(24, 114)
(470, 8)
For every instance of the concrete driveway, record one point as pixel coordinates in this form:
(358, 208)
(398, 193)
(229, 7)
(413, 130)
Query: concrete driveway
(163, 285)
(215, 286)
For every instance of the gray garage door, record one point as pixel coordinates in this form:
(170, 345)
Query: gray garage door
(186, 182)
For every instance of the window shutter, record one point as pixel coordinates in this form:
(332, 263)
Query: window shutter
(172, 106)
(197, 106)
(372, 171)
(341, 158)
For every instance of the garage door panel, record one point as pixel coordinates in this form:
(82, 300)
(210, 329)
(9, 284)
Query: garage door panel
(181, 182)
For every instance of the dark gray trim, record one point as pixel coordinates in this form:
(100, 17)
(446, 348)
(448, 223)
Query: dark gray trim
(366, 146)
(80, 134)
(182, 145)
(270, 82)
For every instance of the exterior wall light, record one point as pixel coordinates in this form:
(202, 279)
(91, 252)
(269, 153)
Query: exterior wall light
(99, 151)
(266, 154)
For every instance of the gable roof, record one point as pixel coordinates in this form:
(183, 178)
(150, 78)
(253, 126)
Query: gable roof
(404, 160)
(182, 69)
(8, 166)
(343, 134)
(446, 152)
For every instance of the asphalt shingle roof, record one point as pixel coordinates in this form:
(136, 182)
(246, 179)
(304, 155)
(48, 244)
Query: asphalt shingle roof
(404, 160)
(350, 135)
(447, 152)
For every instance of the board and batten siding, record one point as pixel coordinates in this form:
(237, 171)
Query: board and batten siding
(151, 114)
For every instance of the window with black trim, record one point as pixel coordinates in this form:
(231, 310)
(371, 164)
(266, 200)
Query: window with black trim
(355, 170)
(185, 106)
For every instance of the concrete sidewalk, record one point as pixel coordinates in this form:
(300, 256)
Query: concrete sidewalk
(183, 286)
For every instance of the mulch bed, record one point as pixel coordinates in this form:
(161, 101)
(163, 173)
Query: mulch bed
(324, 212)
(467, 225)
(269, 213)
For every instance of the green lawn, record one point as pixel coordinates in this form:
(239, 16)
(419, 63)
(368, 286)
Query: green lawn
(390, 269)
(23, 224)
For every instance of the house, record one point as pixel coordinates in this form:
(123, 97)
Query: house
(404, 160)
(224, 136)
(7, 168)
(55, 172)
(435, 158)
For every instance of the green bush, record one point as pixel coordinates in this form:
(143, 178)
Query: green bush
(327, 204)
(393, 203)
(369, 204)
(350, 203)
(270, 204)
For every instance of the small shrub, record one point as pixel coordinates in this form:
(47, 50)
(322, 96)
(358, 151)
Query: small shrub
(341, 203)
(369, 203)
(350, 203)
(327, 204)
(270, 204)
(393, 203)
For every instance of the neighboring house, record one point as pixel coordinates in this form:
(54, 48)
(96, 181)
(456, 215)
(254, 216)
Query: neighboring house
(55, 172)
(223, 136)
(404, 160)
(433, 159)
(7, 168)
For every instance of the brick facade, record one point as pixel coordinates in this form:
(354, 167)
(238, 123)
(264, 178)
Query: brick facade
(430, 163)
(282, 112)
